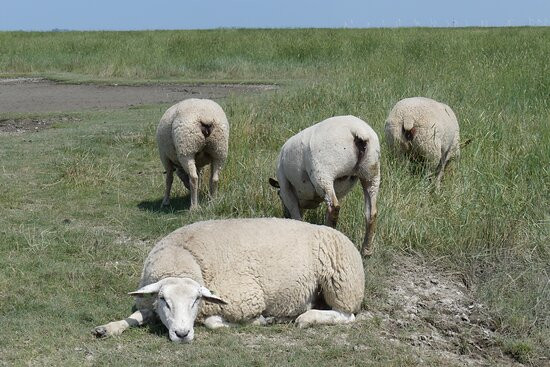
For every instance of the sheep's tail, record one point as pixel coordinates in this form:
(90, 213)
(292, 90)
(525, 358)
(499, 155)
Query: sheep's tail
(206, 128)
(360, 141)
(361, 146)
(465, 142)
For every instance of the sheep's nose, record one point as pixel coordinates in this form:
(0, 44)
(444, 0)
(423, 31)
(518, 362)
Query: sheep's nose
(182, 334)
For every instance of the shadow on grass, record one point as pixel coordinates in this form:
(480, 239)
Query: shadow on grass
(176, 204)
(315, 216)
(157, 328)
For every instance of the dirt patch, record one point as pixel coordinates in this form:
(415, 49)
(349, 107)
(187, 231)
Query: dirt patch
(35, 95)
(26, 125)
(436, 315)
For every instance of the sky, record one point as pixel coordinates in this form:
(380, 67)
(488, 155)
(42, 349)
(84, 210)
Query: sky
(46, 15)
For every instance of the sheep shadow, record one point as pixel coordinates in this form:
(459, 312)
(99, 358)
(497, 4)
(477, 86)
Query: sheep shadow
(156, 327)
(177, 204)
(315, 216)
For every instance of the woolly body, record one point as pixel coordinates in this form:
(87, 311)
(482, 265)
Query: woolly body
(257, 268)
(192, 134)
(324, 161)
(267, 266)
(422, 127)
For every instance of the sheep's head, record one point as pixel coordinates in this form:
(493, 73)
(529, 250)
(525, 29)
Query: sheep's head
(274, 183)
(177, 304)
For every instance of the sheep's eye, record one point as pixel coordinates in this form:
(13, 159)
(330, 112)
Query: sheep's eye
(162, 299)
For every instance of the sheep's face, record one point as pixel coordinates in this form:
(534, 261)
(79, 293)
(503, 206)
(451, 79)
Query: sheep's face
(177, 304)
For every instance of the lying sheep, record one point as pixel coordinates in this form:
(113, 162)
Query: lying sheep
(259, 268)
(323, 162)
(426, 129)
(192, 134)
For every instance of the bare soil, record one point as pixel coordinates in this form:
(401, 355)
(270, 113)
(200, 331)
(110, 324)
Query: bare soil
(435, 314)
(24, 125)
(36, 95)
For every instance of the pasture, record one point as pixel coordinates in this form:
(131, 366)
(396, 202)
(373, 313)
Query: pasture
(80, 197)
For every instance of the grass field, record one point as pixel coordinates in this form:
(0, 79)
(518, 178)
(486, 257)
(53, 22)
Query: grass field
(79, 201)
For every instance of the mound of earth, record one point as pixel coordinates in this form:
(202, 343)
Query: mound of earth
(435, 314)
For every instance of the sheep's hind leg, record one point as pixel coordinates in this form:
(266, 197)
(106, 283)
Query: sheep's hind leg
(370, 192)
(441, 169)
(169, 179)
(188, 164)
(323, 317)
(333, 207)
(138, 318)
(215, 169)
(184, 177)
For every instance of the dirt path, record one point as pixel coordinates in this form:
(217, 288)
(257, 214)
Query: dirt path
(37, 95)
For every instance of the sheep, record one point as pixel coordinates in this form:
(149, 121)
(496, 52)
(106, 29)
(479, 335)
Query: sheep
(323, 162)
(424, 128)
(261, 269)
(192, 134)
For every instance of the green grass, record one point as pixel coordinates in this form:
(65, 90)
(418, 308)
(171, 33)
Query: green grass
(79, 204)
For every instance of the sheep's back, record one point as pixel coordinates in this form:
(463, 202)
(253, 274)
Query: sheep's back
(435, 123)
(179, 130)
(268, 264)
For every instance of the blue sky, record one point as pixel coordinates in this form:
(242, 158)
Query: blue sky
(205, 14)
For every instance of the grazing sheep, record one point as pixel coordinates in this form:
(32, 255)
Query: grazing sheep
(263, 268)
(323, 162)
(426, 129)
(192, 134)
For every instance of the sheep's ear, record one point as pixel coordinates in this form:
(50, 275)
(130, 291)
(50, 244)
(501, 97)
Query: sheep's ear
(208, 296)
(147, 290)
(273, 182)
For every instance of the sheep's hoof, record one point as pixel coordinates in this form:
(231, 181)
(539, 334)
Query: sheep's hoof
(100, 332)
(367, 251)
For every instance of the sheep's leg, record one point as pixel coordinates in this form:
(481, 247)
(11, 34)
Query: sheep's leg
(370, 192)
(289, 199)
(188, 164)
(323, 317)
(333, 207)
(215, 322)
(183, 177)
(440, 169)
(169, 179)
(215, 169)
(199, 180)
(263, 321)
(138, 318)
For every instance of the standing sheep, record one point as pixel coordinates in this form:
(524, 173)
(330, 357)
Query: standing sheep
(323, 162)
(192, 134)
(426, 129)
(259, 268)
